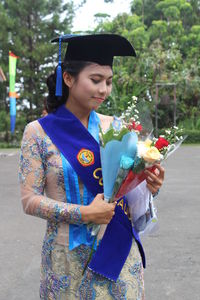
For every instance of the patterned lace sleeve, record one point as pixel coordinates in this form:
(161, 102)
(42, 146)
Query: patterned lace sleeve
(32, 182)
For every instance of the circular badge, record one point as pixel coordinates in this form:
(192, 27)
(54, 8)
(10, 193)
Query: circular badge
(85, 157)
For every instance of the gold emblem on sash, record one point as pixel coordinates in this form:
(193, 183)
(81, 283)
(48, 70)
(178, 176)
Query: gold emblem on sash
(97, 176)
(85, 157)
(123, 206)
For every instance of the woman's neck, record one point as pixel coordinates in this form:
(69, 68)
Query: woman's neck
(79, 112)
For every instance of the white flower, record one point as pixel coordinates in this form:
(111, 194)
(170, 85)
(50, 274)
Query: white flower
(168, 131)
(134, 98)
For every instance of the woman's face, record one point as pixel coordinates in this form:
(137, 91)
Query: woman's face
(91, 88)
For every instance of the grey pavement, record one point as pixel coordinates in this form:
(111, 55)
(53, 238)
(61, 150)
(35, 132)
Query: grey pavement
(172, 252)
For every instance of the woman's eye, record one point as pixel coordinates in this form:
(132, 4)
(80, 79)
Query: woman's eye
(95, 81)
(109, 83)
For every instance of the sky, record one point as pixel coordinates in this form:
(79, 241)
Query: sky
(84, 19)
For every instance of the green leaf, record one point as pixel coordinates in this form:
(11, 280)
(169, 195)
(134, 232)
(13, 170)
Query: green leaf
(112, 134)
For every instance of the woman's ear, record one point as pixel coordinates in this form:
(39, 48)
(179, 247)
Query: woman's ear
(68, 79)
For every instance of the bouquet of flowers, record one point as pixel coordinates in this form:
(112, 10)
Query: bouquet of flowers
(150, 150)
(128, 147)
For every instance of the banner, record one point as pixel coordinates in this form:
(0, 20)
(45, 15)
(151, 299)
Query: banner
(12, 94)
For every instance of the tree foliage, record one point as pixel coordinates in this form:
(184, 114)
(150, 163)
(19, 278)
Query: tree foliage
(26, 29)
(165, 34)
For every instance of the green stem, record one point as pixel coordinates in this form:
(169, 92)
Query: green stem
(90, 256)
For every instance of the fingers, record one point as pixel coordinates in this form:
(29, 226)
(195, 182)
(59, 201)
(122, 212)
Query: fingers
(114, 204)
(101, 211)
(100, 196)
(155, 180)
(161, 170)
(106, 219)
(153, 188)
(155, 177)
(110, 214)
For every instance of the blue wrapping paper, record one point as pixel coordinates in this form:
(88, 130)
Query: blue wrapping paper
(111, 156)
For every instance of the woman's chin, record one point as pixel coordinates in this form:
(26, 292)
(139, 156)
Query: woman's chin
(95, 106)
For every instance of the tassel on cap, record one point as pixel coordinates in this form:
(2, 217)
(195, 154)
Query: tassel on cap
(59, 73)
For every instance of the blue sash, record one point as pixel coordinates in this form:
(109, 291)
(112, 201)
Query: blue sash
(78, 234)
(112, 253)
(81, 150)
(77, 145)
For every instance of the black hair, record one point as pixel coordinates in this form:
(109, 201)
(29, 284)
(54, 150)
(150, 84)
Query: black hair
(71, 67)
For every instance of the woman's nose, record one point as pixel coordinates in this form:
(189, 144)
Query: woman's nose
(103, 88)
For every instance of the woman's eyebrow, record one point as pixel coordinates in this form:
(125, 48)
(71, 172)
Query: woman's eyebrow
(100, 75)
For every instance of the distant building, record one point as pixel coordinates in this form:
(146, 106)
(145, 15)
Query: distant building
(2, 76)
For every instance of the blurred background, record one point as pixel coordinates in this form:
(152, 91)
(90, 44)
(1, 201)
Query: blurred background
(166, 72)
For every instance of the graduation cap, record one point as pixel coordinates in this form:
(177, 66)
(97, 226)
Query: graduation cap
(97, 48)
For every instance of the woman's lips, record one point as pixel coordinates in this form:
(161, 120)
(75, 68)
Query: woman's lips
(99, 99)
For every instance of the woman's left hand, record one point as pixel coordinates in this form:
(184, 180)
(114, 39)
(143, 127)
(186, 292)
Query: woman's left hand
(155, 180)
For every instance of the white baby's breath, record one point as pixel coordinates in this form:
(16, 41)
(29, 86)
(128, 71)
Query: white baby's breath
(168, 131)
(134, 98)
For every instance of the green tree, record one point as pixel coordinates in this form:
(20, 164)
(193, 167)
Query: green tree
(146, 9)
(166, 37)
(26, 29)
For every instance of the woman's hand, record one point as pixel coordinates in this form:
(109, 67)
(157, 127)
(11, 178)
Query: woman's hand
(99, 211)
(155, 180)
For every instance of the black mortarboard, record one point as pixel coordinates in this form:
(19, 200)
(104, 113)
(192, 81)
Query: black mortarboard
(98, 48)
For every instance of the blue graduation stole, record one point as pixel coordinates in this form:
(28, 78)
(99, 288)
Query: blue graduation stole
(81, 150)
(77, 145)
(78, 234)
(115, 245)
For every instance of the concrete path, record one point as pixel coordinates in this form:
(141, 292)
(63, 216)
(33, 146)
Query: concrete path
(173, 252)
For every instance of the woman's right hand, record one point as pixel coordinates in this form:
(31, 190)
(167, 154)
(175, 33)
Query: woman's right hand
(98, 211)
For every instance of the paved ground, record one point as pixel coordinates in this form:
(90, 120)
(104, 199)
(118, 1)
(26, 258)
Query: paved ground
(173, 252)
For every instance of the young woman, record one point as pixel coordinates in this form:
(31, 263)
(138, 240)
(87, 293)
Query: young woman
(59, 179)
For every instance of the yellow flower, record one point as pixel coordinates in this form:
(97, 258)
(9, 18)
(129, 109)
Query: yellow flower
(152, 155)
(148, 142)
(143, 146)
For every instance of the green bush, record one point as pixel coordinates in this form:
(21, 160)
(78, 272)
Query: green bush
(198, 124)
(190, 123)
(9, 145)
(193, 136)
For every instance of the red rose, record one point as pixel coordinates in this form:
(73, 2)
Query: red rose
(138, 127)
(161, 143)
(132, 126)
(135, 127)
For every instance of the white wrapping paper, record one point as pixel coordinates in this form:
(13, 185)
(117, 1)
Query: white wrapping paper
(142, 210)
